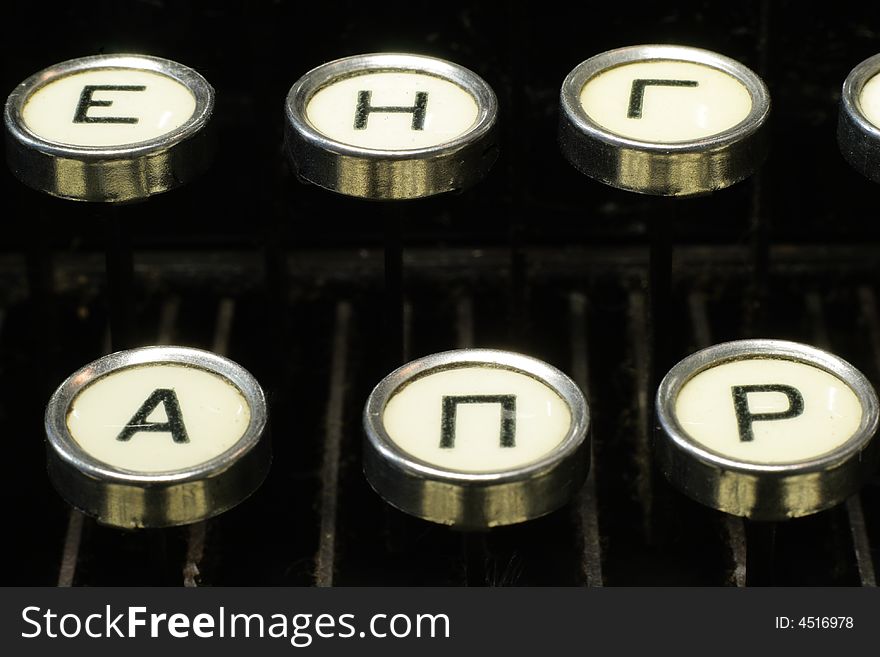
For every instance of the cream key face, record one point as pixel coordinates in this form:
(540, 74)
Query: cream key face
(107, 107)
(768, 411)
(392, 110)
(158, 418)
(157, 436)
(477, 419)
(665, 101)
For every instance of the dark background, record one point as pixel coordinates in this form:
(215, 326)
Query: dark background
(542, 259)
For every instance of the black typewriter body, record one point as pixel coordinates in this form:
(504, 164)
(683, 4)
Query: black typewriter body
(537, 258)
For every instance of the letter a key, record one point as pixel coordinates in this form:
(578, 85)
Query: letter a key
(157, 436)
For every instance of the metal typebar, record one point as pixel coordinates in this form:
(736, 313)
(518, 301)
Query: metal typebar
(640, 344)
(586, 506)
(325, 560)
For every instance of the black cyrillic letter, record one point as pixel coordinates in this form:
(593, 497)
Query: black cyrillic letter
(364, 109)
(637, 95)
(508, 417)
(174, 425)
(745, 418)
(86, 101)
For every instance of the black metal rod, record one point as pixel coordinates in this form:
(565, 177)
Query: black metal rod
(277, 292)
(758, 293)
(392, 329)
(120, 278)
(661, 229)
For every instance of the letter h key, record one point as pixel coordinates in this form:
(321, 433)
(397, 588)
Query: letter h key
(364, 109)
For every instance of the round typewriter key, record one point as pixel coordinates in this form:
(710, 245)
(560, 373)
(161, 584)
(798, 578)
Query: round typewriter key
(665, 120)
(766, 429)
(109, 128)
(858, 127)
(476, 438)
(157, 436)
(391, 126)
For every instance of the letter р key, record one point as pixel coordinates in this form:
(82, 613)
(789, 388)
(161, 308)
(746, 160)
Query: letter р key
(476, 438)
(109, 128)
(766, 429)
(157, 436)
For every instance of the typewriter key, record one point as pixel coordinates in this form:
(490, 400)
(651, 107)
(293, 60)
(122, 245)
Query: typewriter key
(476, 438)
(157, 436)
(766, 429)
(858, 127)
(665, 120)
(391, 126)
(668, 121)
(109, 128)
